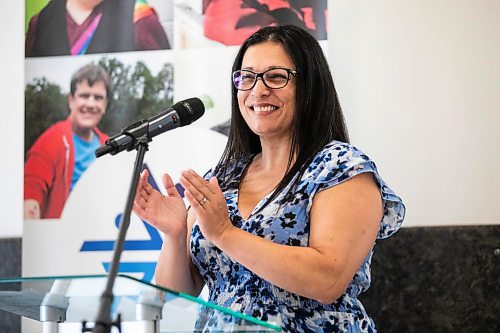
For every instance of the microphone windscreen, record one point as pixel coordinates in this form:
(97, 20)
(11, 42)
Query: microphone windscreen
(189, 110)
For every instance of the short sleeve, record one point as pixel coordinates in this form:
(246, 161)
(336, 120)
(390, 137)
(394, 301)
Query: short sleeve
(339, 162)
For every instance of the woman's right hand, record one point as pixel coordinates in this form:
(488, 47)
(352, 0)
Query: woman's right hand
(166, 213)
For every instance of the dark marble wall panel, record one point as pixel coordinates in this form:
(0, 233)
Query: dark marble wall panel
(437, 279)
(10, 266)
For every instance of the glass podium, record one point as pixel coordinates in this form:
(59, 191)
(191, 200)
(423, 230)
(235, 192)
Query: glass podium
(143, 307)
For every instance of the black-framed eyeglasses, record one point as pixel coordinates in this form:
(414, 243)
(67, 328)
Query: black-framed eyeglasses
(274, 78)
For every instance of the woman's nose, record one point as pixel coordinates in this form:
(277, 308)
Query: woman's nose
(260, 88)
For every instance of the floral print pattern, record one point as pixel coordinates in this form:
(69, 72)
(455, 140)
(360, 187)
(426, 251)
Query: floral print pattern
(285, 220)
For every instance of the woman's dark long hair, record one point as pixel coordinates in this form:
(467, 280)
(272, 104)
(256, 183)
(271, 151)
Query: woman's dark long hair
(318, 118)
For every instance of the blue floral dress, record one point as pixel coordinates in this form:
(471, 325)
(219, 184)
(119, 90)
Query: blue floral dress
(285, 220)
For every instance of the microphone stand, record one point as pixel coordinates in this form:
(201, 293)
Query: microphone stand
(103, 322)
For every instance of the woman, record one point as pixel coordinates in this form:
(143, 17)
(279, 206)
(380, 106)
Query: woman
(284, 227)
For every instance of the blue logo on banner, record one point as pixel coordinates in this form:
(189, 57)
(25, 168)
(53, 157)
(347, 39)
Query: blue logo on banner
(148, 268)
(154, 242)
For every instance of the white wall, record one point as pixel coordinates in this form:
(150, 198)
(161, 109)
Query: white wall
(12, 117)
(419, 82)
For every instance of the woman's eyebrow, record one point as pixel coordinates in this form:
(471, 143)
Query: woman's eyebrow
(268, 67)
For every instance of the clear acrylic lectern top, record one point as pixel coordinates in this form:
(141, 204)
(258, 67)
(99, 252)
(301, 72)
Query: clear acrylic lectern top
(73, 299)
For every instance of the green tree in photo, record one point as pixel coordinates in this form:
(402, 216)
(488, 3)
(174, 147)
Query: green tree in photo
(45, 105)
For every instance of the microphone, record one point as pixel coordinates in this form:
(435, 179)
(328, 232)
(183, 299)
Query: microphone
(180, 114)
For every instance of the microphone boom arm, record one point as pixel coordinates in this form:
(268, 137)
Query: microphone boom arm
(126, 139)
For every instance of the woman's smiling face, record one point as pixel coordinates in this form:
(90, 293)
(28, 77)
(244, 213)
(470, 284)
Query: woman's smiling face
(268, 112)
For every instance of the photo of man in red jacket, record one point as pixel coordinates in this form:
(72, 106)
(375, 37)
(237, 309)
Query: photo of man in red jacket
(64, 151)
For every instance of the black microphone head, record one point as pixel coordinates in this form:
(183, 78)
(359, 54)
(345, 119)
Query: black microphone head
(189, 110)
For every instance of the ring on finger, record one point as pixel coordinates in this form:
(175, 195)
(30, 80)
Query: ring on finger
(203, 201)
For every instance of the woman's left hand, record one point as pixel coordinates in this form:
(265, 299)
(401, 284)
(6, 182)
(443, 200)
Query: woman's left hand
(209, 205)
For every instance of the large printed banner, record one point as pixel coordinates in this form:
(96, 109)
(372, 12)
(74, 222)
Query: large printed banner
(91, 71)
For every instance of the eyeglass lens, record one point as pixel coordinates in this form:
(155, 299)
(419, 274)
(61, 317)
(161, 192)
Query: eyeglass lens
(274, 78)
